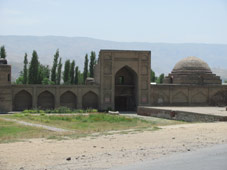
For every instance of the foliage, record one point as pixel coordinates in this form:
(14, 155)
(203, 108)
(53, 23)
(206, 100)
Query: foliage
(33, 69)
(160, 79)
(66, 77)
(72, 72)
(61, 110)
(54, 67)
(20, 80)
(92, 63)
(2, 52)
(25, 71)
(59, 72)
(44, 75)
(85, 73)
(76, 79)
(153, 78)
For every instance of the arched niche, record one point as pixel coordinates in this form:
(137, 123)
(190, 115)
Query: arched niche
(46, 100)
(68, 99)
(90, 101)
(22, 101)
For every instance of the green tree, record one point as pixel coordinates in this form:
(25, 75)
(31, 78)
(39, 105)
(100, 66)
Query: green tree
(59, 72)
(25, 71)
(81, 77)
(85, 73)
(33, 69)
(72, 72)
(77, 75)
(54, 67)
(92, 63)
(225, 81)
(3, 52)
(44, 74)
(20, 79)
(160, 79)
(153, 78)
(66, 76)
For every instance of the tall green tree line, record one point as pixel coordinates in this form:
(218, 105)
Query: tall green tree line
(36, 73)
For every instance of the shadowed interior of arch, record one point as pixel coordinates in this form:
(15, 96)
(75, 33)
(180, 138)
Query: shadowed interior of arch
(46, 100)
(125, 89)
(68, 99)
(22, 101)
(90, 101)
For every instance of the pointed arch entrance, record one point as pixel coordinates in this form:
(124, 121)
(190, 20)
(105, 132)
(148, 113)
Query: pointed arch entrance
(126, 83)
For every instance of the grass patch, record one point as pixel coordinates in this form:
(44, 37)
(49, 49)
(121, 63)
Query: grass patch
(81, 125)
(92, 123)
(11, 131)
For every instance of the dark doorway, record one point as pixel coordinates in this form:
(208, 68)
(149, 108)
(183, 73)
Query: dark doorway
(125, 90)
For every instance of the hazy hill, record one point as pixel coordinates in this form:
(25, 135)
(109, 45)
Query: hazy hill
(164, 55)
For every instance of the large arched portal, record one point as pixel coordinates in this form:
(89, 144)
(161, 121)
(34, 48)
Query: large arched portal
(22, 101)
(46, 100)
(125, 89)
(90, 100)
(68, 99)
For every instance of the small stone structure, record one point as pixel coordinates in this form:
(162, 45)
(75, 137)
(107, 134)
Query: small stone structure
(121, 82)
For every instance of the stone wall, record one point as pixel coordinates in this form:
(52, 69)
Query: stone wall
(53, 96)
(179, 115)
(185, 95)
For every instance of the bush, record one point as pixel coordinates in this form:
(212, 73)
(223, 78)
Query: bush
(61, 110)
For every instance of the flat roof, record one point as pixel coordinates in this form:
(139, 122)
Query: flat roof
(116, 50)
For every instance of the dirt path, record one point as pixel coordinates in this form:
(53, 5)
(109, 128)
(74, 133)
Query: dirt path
(104, 152)
(51, 128)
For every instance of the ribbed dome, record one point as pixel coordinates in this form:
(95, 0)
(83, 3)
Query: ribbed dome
(191, 64)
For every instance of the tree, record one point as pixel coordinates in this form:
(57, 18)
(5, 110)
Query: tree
(3, 52)
(92, 63)
(153, 78)
(25, 71)
(59, 72)
(33, 69)
(20, 79)
(44, 75)
(66, 76)
(225, 81)
(160, 79)
(85, 73)
(76, 75)
(54, 67)
(72, 72)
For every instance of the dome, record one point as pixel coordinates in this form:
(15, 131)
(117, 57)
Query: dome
(192, 64)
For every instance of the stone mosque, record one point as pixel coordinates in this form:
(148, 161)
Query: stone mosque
(122, 83)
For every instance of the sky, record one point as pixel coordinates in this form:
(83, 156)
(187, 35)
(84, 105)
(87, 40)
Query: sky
(170, 21)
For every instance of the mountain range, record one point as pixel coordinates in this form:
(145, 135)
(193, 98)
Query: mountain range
(164, 55)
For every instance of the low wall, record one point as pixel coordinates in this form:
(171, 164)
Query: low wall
(179, 115)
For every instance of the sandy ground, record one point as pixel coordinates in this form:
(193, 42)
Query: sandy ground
(104, 152)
